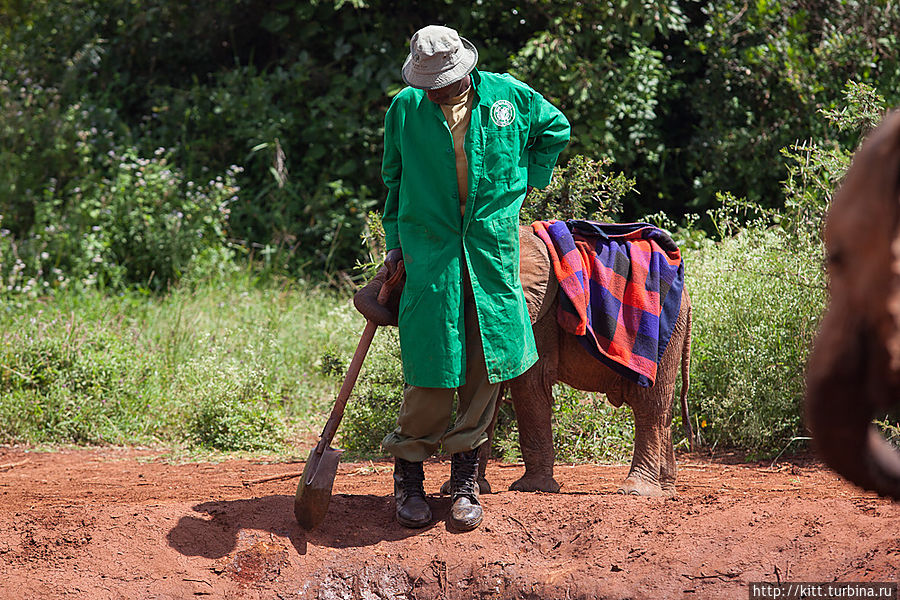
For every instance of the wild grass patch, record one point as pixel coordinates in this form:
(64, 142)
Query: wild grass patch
(220, 367)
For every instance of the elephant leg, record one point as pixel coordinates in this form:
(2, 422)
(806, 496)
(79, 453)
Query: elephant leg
(645, 476)
(532, 399)
(667, 469)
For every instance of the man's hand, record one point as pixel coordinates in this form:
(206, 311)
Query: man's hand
(393, 256)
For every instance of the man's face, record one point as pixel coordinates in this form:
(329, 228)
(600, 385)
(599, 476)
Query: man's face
(443, 95)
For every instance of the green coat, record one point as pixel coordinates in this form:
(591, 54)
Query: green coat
(513, 140)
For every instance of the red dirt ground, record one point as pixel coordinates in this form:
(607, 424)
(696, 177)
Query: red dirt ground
(116, 523)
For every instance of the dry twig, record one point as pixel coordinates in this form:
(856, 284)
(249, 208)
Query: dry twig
(280, 477)
(13, 464)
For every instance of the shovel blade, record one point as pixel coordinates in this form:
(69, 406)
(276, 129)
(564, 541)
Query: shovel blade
(314, 489)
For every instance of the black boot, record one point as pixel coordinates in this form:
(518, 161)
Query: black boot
(465, 510)
(412, 509)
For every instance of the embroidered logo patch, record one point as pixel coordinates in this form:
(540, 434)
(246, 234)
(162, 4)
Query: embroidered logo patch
(503, 113)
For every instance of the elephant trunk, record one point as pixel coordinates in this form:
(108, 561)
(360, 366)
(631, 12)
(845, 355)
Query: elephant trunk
(845, 384)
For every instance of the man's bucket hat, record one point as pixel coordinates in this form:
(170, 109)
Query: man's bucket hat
(438, 56)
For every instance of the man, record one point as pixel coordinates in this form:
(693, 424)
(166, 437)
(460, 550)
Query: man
(461, 150)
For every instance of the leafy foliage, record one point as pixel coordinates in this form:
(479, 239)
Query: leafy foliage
(144, 225)
(145, 145)
(601, 64)
(685, 97)
(768, 69)
(757, 298)
(580, 189)
(372, 411)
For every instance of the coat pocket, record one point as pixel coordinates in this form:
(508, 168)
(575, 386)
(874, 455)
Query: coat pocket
(505, 231)
(503, 154)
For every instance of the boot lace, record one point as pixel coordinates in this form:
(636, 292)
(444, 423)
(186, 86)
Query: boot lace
(413, 477)
(463, 473)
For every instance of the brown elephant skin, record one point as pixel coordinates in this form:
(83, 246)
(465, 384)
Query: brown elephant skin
(853, 374)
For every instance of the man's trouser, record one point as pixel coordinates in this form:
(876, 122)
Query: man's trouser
(425, 412)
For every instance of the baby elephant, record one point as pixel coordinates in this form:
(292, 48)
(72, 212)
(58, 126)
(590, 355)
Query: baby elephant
(854, 369)
(563, 359)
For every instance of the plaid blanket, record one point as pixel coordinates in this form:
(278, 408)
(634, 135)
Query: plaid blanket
(622, 285)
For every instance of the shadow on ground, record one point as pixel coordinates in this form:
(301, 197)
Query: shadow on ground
(213, 531)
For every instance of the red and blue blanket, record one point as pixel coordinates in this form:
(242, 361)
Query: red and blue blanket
(622, 285)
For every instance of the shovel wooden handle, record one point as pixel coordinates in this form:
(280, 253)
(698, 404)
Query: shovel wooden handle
(355, 364)
(385, 292)
(349, 381)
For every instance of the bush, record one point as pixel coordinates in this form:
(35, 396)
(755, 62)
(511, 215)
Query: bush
(760, 292)
(579, 190)
(764, 71)
(232, 423)
(62, 381)
(226, 400)
(144, 226)
(757, 298)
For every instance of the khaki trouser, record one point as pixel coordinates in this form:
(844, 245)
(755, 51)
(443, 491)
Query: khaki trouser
(425, 412)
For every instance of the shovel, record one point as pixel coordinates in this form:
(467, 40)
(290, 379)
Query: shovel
(314, 489)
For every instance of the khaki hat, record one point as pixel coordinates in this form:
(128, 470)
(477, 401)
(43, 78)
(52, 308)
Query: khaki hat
(438, 56)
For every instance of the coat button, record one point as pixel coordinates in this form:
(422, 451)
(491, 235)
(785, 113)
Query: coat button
(449, 150)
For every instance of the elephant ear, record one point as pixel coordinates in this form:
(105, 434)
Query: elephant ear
(366, 300)
(535, 273)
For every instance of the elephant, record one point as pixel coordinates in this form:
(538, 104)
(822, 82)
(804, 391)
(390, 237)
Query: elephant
(563, 359)
(853, 373)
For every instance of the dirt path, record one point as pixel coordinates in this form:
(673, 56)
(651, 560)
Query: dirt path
(118, 524)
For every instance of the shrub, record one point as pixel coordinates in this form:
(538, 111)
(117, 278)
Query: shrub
(760, 292)
(232, 423)
(144, 226)
(63, 381)
(226, 398)
(152, 223)
(579, 190)
(764, 71)
(757, 298)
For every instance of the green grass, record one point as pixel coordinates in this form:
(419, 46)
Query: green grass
(250, 366)
(236, 367)
(231, 367)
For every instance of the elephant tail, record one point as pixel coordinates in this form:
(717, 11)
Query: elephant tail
(686, 381)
